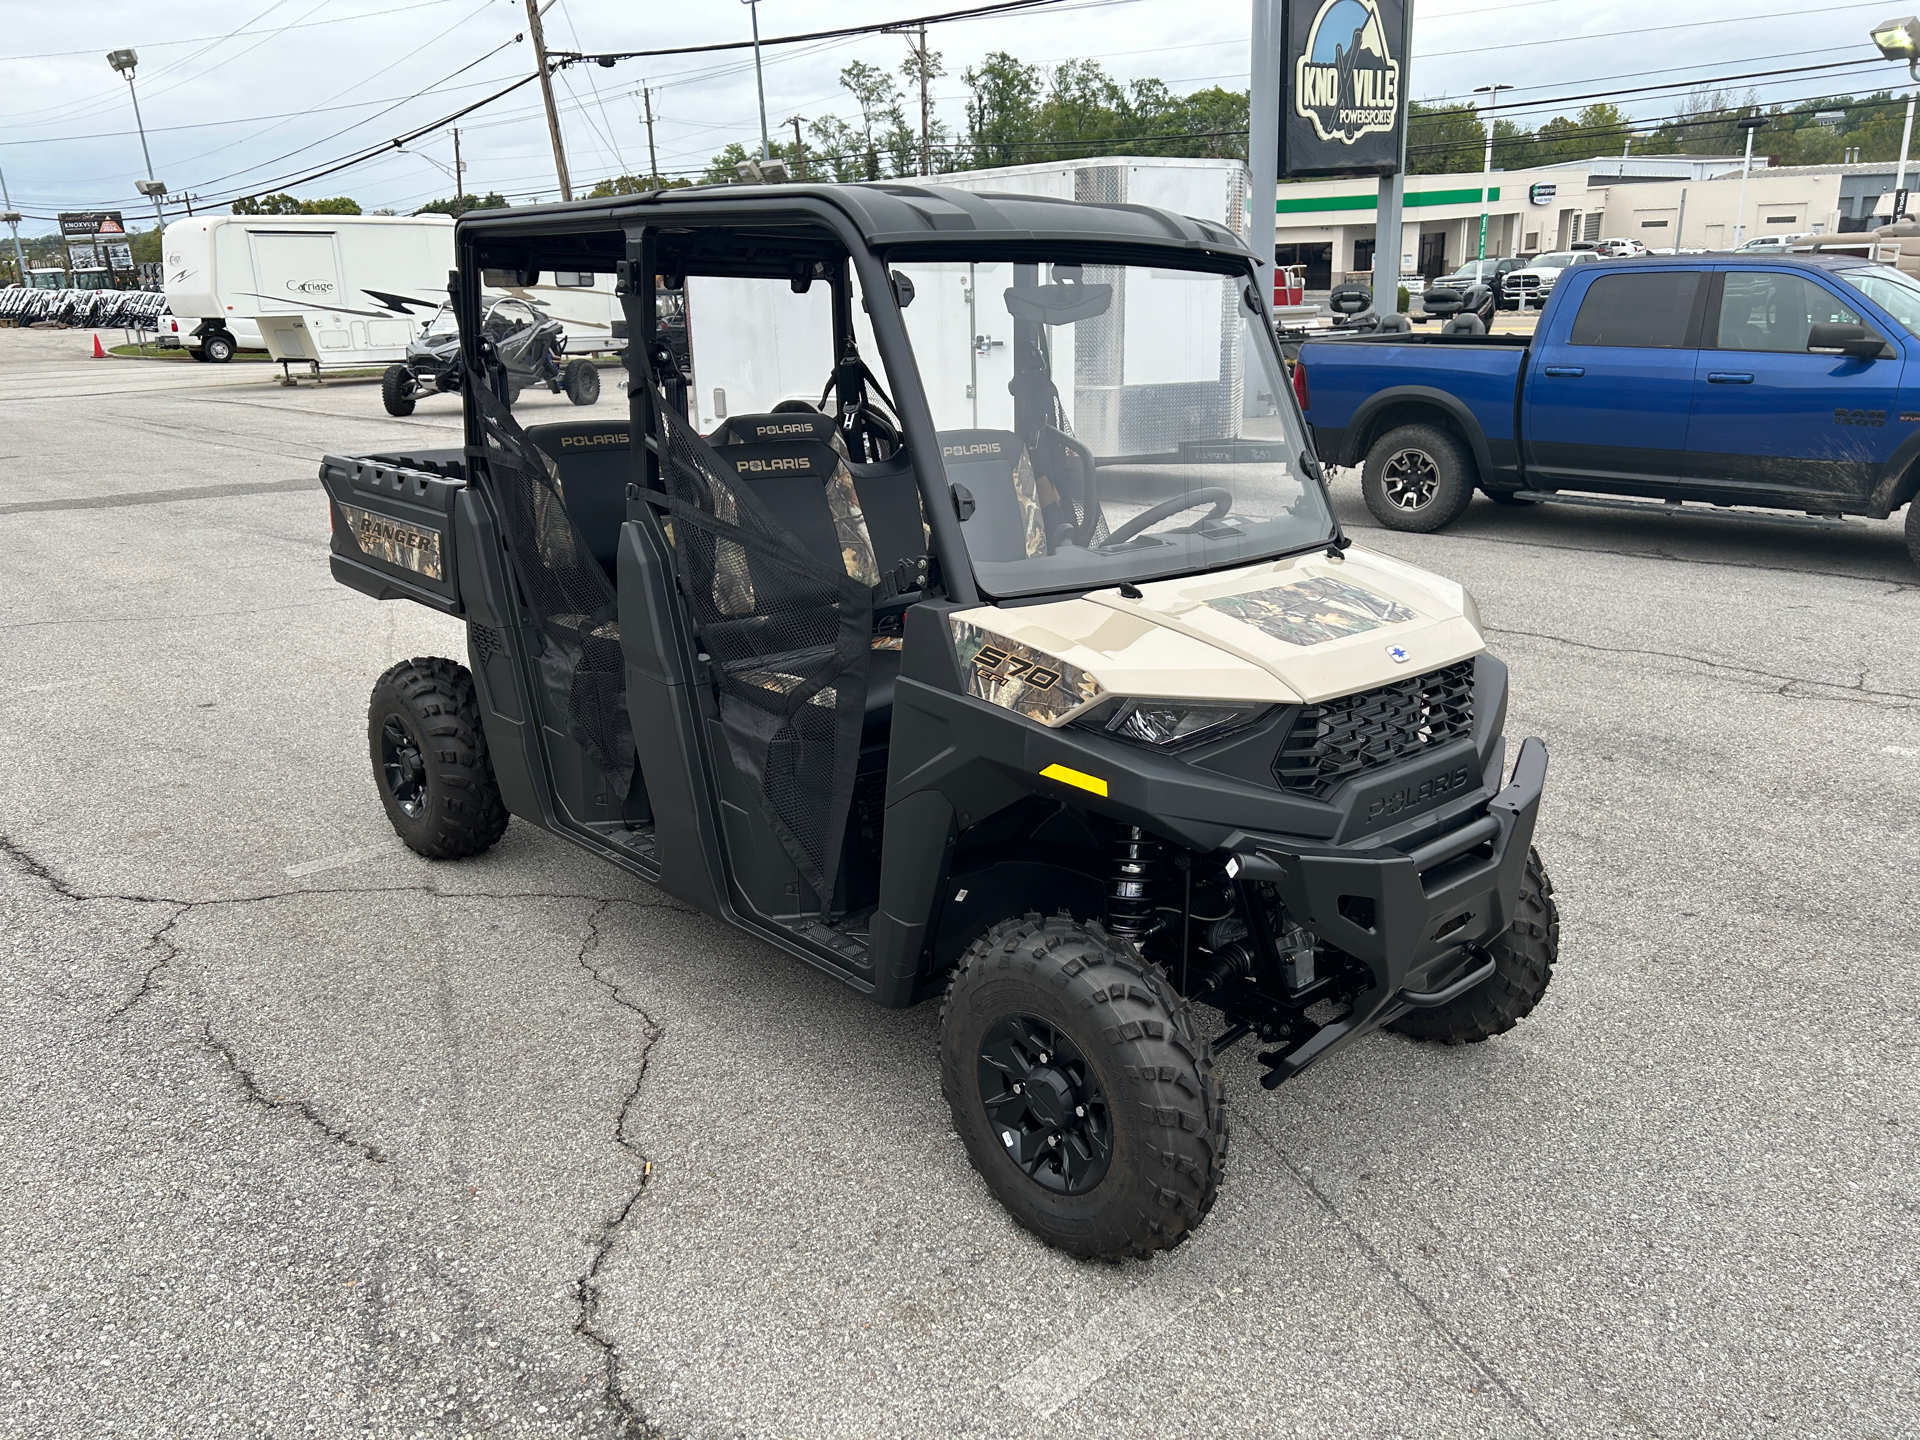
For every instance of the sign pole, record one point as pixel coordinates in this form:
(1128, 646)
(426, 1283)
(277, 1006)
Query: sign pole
(1263, 134)
(1387, 260)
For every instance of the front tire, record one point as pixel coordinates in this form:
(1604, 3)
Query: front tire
(430, 760)
(1081, 1088)
(582, 382)
(1913, 529)
(1524, 957)
(1417, 478)
(396, 391)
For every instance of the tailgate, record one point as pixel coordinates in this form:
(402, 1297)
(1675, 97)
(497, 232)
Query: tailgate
(393, 530)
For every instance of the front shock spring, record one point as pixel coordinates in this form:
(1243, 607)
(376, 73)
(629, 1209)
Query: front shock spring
(1129, 903)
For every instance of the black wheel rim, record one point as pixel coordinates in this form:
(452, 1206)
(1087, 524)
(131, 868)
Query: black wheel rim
(403, 768)
(1410, 479)
(1045, 1104)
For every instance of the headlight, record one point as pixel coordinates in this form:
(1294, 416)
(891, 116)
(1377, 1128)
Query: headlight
(1020, 678)
(1170, 723)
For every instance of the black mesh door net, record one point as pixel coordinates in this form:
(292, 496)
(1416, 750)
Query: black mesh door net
(580, 662)
(789, 636)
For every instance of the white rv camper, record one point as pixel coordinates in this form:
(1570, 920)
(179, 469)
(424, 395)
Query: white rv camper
(364, 285)
(1186, 333)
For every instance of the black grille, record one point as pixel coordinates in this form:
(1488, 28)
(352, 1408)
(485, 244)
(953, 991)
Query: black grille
(1332, 743)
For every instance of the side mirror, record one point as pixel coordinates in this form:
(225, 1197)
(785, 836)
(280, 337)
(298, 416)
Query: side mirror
(1861, 342)
(902, 289)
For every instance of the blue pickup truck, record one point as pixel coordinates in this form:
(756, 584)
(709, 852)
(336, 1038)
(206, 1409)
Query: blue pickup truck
(1790, 382)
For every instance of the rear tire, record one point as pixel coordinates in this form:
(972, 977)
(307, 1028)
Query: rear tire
(1913, 529)
(1417, 478)
(396, 391)
(430, 760)
(1119, 1126)
(1525, 956)
(582, 382)
(219, 347)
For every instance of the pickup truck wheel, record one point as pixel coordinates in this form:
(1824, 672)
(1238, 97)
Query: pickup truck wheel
(1524, 959)
(582, 382)
(1913, 529)
(1081, 1088)
(430, 760)
(218, 347)
(396, 390)
(1417, 478)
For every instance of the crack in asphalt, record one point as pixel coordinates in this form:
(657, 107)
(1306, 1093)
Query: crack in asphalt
(1373, 1253)
(1856, 693)
(587, 1288)
(250, 1089)
(633, 1421)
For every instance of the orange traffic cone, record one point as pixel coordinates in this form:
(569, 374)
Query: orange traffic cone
(98, 353)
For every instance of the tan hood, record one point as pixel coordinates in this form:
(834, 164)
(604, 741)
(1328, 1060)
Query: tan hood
(1293, 631)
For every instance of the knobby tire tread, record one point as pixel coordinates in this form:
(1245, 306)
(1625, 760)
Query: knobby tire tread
(465, 814)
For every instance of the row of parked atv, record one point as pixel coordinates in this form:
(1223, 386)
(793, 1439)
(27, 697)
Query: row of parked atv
(82, 309)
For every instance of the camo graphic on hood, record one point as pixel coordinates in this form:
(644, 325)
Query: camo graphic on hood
(1310, 612)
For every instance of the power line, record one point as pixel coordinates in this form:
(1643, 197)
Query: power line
(236, 34)
(1506, 45)
(1001, 7)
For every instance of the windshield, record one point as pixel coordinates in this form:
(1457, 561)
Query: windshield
(444, 322)
(1109, 423)
(1893, 291)
(1552, 262)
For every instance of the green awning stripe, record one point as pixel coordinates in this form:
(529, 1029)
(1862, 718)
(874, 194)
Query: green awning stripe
(1413, 200)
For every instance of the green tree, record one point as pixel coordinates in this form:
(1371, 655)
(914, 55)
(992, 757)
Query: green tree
(283, 204)
(634, 185)
(461, 204)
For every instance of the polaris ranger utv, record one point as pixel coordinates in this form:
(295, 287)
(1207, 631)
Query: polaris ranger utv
(998, 646)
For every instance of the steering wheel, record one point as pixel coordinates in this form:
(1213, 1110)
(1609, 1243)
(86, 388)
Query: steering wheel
(1221, 500)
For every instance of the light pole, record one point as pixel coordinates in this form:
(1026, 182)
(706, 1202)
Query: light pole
(1492, 92)
(759, 80)
(1748, 123)
(125, 61)
(1900, 40)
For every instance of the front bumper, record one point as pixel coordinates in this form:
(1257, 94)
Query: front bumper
(1418, 916)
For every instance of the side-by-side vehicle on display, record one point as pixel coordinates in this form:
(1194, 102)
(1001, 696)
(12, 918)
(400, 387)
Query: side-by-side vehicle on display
(1077, 713)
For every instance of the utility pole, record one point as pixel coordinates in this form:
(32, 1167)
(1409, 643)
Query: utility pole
(759, 80)
(926, 151)
(546, 94)
(459, 167)
(799, 148)
(653, 160)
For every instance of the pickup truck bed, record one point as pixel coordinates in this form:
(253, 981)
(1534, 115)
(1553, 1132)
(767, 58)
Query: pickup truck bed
(1780, 382)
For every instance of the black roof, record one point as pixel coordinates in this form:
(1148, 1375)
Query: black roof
(887, 215)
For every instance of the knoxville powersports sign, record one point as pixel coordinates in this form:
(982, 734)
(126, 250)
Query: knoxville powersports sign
(1343, 98)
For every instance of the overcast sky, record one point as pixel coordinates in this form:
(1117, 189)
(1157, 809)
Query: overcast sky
(238, 93)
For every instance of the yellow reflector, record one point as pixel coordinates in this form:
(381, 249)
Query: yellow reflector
(1077, 778)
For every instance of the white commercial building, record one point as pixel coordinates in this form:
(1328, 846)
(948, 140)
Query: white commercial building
(1328, 225)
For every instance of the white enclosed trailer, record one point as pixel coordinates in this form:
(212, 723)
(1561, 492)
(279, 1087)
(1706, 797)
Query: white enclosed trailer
(365, 285)
(1183, 331)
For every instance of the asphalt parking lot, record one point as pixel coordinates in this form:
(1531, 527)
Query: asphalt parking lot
(306, 1135)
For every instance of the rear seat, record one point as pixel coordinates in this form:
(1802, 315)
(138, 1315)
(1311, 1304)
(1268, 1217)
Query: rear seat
(595, 465)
